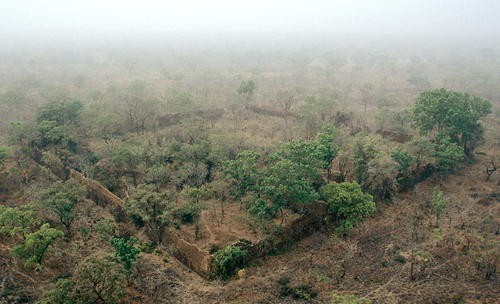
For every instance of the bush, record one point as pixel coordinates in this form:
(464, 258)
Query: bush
(188, 212)
(226, 261)
(348, 203)
(348, 299)
(303, 292)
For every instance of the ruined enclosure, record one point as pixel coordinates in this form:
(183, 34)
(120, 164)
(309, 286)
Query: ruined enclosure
(196, 253)
(200, 260)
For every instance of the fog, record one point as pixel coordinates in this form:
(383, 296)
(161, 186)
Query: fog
(477, 20)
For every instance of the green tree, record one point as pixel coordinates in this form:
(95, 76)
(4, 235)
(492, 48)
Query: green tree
(348, 203)
(126, 160)
(439, 203)
(140, 109)
(36, 244)
(125, 250)
(452, 114)
(4, 153)
(61, 112)
(348, 299)
(61, 198)
(150, 207)
(195, 194)
(306, 155)
(285, 184)
(319, 111)
(62, 293)
(246, 90)
(364, 149)
(18, 221)
(99, 279)
(327, 149)
(381, 177)
(244, 172)
(310, 156)
(422, 150)
(403, 160)
(225, 261)
(448, 154)
(183, 102)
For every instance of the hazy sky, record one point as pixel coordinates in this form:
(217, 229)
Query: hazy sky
(385, 17)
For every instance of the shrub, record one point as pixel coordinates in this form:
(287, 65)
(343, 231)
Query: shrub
(125, 250)
(226, 261)
(348, 299)
(188, 212)
(303, 292)
(348, 203)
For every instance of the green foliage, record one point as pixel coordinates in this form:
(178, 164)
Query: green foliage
(12, 98)
(56, 122)
(422, 150)
(183, 102)
(439, 202)
(60, 112)
(125, 250)
(191, 174)
(399, 258)
(326, 148)
(364, 149)
(244, 172)
(448, 154)
(261, 209)
(195, 194)
(246, 89)
(36, 244)
(18, 221)
(320, 110)
(225, 261)
(188, 212)
(157, 175)
(348, 299)
(61, 294)
(151, 207)
(302, 292)
(4, 154)
(106, 227)
(452, 114)
(403, 160)
(286, 183)
(55, 125)
(61, 199)
(126, 160)
(348, 203)
(311, 155)
(99, 280)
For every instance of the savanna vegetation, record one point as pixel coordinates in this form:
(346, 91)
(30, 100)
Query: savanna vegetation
(224, 147)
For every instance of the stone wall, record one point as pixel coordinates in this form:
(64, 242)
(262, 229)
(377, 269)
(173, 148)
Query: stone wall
(189, 254)
(314, 217)
(99, 193)
(175, 118)
(200, 261)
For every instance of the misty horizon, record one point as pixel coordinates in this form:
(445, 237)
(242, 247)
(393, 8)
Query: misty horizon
(354, 21)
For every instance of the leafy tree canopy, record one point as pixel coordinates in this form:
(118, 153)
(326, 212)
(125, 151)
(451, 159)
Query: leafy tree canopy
(99, 279)
(150, 207)
(452, 114)
(18, 221)
(244, 171)
(285, 184)
(60, 112)
(348, 203)
(36, 244)
(61, 199)
(125, 250)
